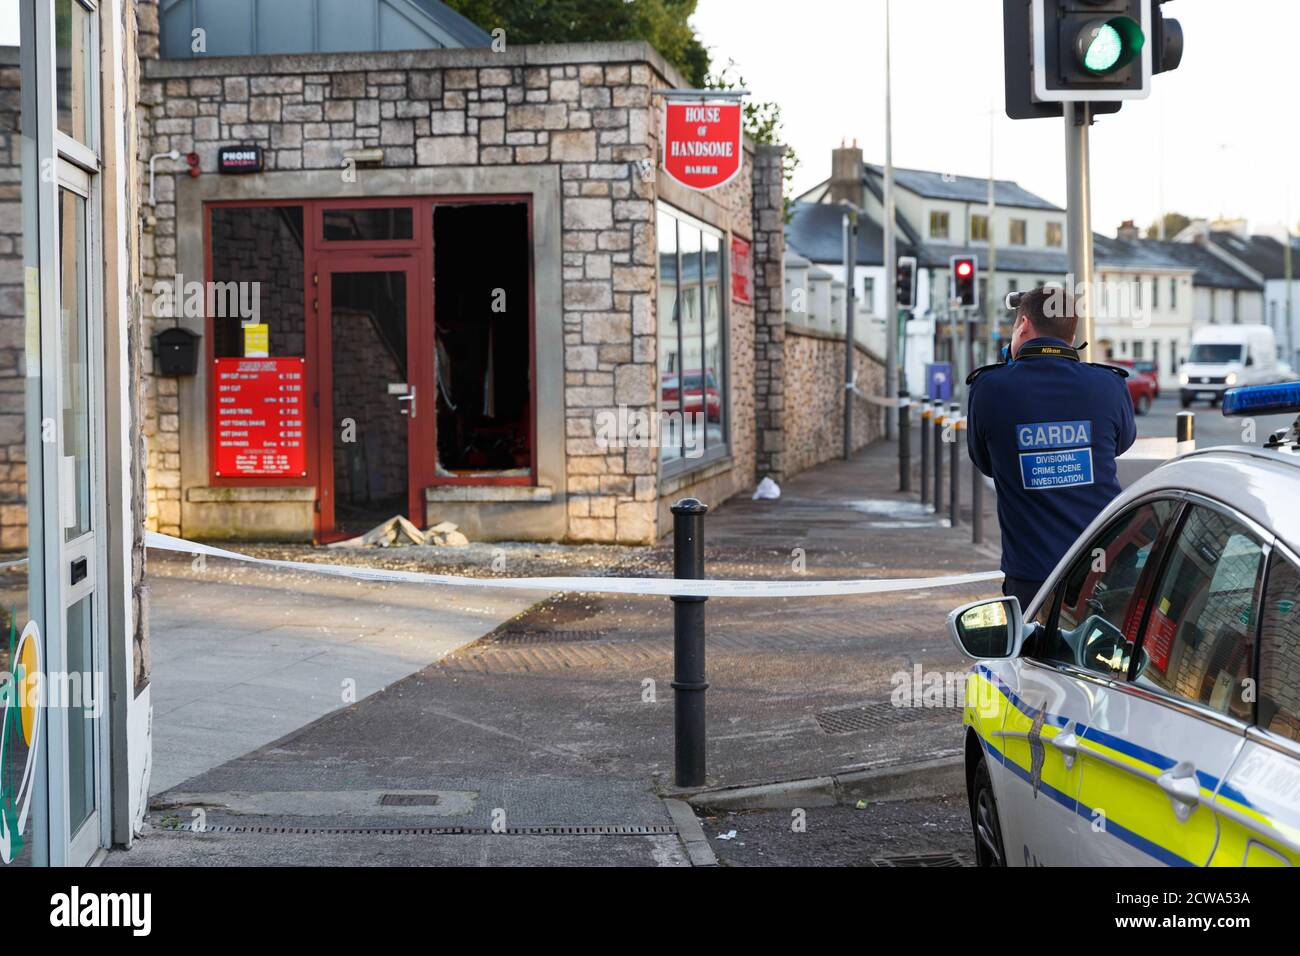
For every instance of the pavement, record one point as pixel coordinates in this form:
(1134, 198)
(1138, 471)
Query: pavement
(550, 740)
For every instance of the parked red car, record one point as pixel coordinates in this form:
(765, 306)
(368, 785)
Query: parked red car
(1142, 388)
(1141, 367)
(702, 394)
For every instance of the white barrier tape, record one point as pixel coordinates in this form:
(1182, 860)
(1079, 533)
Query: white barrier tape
(665, 587)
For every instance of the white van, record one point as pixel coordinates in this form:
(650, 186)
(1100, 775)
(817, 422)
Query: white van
(1225, 356)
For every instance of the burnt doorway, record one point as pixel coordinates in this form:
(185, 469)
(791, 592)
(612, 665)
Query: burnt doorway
(483, 343)
(371, 402)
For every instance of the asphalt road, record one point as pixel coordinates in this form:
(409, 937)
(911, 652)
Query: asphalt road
(1211, 427)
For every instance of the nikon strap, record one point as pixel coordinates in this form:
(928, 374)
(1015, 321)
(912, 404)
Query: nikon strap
(1047, 351)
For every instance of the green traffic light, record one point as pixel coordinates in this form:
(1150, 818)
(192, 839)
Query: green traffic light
(1104, 46)
(1104, 50)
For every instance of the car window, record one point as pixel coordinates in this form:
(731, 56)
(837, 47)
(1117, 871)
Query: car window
(1199, 641)
(1097, 611)
(1279, 652)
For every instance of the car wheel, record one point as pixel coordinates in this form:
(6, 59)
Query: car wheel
(984, 819)
(1143, 404)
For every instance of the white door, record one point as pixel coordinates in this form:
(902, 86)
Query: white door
(76, 682)
(1076, 652)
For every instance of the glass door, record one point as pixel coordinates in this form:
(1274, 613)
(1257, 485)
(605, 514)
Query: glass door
(75, 683)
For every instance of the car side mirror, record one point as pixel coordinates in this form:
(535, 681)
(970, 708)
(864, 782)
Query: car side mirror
(988, 630)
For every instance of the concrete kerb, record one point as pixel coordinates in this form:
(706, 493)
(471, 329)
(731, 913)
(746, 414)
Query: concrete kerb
(938, 776)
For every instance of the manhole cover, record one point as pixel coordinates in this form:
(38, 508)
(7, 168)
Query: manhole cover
(849, 720)
(548, 637)
(409, 800)
(920, 859)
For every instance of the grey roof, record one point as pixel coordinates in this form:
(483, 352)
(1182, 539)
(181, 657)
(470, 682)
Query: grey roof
(265, 27)
(816, 231)
(1209, 269)
(1047, 262)
(934, 185)
(1264, 254)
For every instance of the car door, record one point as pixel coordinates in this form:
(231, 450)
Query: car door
(1166, 727)
(1052, 699)
(1258, 805)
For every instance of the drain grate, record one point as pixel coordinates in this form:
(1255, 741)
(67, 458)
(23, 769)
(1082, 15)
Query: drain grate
(409, 800)
(548, 637)
(653, 830)
(920, 859)
(849, 720)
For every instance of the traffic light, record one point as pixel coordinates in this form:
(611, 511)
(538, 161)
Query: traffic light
(963, 270)
(1099, 52)
(906, 282)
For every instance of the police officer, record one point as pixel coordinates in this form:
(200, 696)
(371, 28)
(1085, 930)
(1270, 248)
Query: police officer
(1047, 428)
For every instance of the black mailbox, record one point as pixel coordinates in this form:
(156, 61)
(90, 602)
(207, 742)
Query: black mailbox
(177, 351)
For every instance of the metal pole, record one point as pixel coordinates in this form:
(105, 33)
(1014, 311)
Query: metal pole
(954, 482)
(938, 457)
(891, 254)
(1287, 270)
(904, 441)
(1186, 432)
(1078, 217)
(976, 505)
(689, 684)
(926, 415)
(850, 351)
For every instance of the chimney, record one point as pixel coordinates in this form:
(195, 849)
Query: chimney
(1127, 231)
(846, 174)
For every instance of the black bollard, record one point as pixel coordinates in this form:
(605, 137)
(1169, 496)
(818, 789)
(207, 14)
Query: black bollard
(904, 442)
(689, 684)
(938, 457)
(926, 415)
(954, 481)
(1185, 433)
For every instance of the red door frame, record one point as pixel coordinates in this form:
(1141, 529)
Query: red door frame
(417, 255)
(419, 374)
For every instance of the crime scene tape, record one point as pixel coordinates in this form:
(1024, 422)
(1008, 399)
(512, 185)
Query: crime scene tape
(665, 587)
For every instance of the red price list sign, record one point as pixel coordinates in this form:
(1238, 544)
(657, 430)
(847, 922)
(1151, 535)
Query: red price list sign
(261, 411)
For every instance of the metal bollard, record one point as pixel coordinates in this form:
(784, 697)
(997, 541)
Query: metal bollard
(904, 441)
(976, 505)
(954, 484)
(689, 685)
(1186, 432)
(926, 415)
(938, 457)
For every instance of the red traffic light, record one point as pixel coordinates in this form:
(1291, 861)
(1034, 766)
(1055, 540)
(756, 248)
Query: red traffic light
(964, 269)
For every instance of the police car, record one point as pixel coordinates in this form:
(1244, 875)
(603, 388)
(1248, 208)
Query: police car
(1145, 709)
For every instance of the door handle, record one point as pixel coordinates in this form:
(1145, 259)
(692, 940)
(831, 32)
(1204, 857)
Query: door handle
(1183, 789)
(408, 397)
(1067, 743)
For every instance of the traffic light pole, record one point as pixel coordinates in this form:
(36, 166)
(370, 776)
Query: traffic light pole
(891, 254)
(1078, 218)
(850, 308)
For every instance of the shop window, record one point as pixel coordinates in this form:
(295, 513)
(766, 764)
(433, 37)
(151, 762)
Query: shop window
(73, 52)
(692, 342)
(256, 278)
(368, 224)
(483, 340)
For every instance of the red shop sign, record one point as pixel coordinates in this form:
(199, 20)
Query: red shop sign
(261, 412)
(703, 142)
(742, 271)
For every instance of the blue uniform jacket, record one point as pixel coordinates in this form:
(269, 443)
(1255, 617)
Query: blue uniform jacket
(1047, 430)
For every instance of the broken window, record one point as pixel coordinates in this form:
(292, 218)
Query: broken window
(483, 340)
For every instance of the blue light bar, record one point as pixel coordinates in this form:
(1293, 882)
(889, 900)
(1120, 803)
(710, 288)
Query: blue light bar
(1262, 399)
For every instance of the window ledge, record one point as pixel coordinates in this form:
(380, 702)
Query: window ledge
(489, 493)
(681, 474)
(230, 493)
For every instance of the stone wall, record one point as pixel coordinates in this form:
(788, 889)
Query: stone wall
(13, 448)
(769, 298)
(587, 109)
(812, 423)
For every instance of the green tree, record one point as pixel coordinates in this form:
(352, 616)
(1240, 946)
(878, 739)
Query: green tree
(763, 124)
(1175, 222)
(664, 24)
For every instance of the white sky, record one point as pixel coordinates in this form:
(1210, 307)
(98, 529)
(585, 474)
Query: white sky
(1229, 126)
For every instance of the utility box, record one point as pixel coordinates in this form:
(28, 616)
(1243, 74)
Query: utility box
(938, 381)
(177, 351)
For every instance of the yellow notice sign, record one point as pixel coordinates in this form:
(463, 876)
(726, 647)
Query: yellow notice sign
(257, 341)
